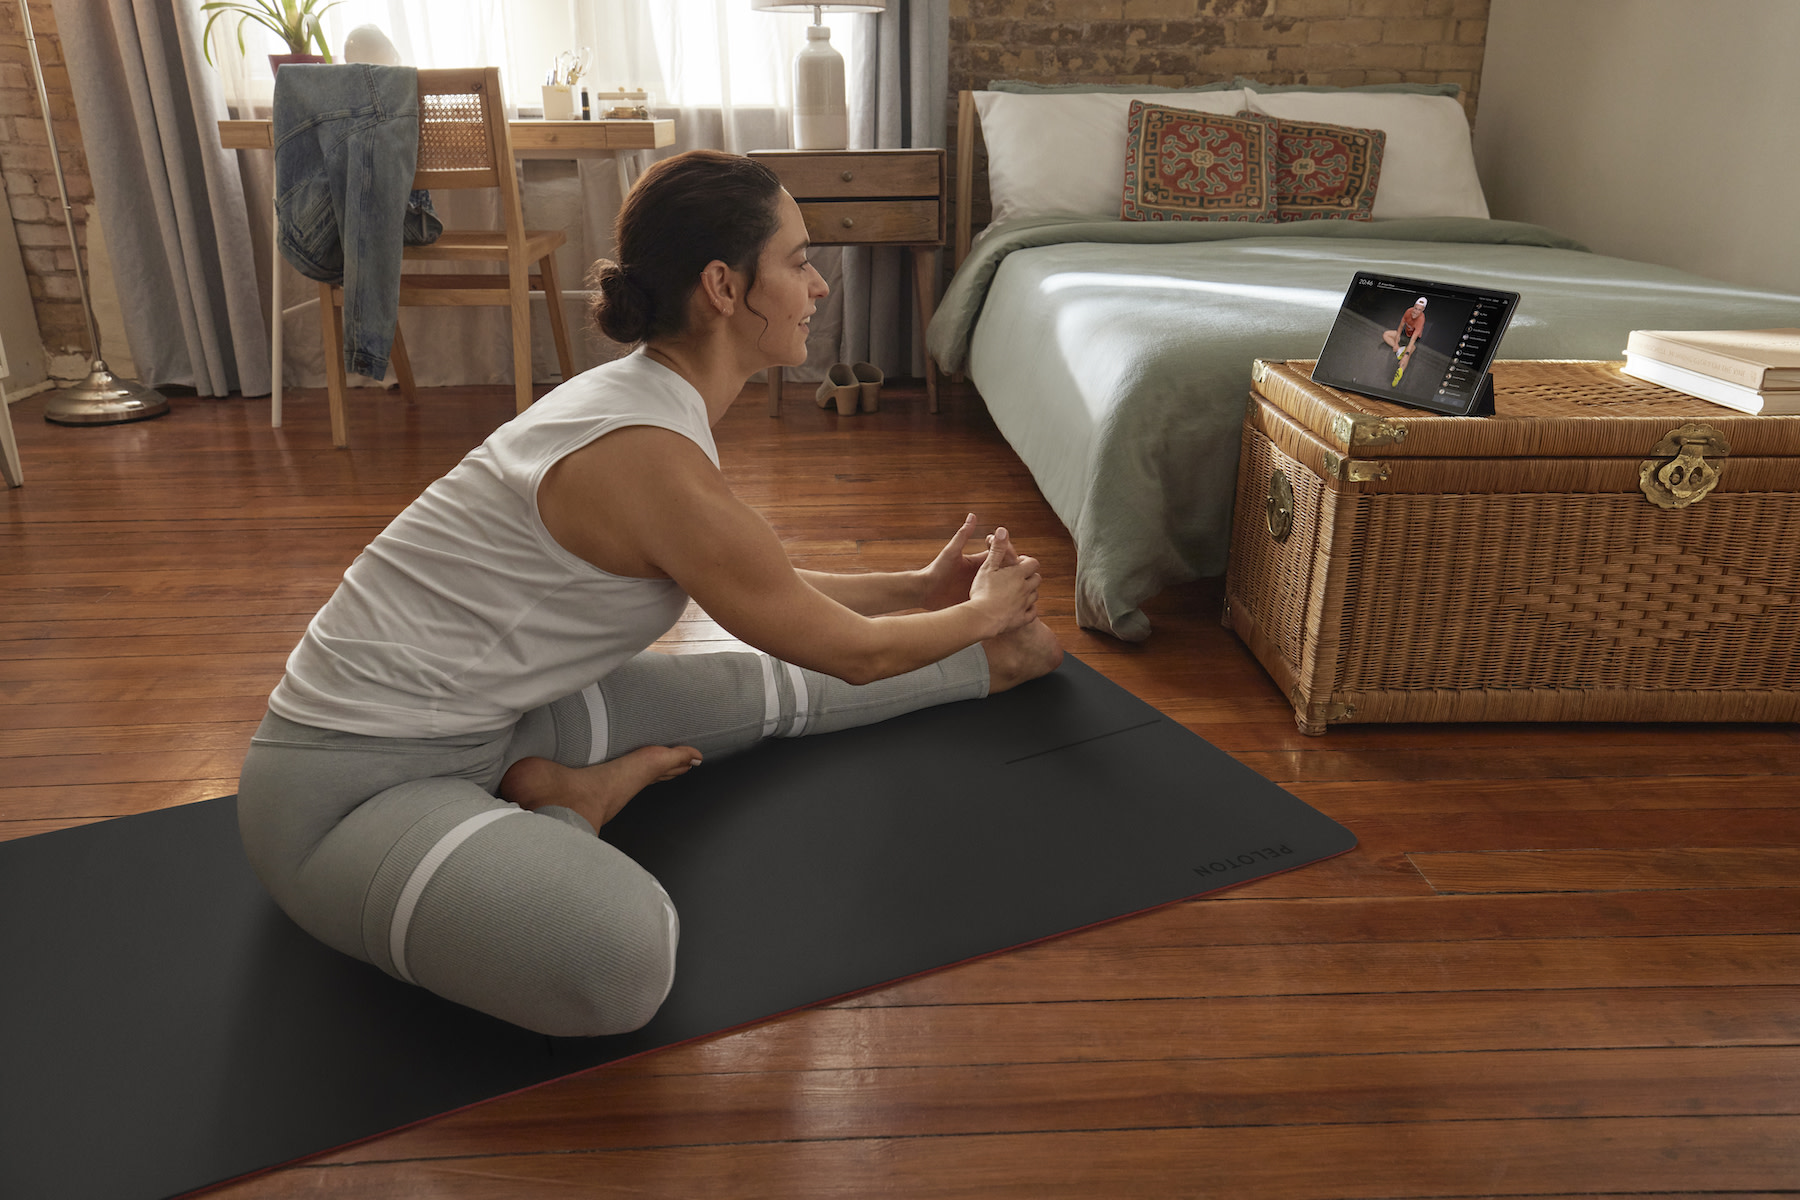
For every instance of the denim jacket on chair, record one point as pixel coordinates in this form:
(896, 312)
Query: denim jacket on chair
(346, 148)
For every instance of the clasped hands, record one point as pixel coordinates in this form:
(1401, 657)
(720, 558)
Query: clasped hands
(999, 580)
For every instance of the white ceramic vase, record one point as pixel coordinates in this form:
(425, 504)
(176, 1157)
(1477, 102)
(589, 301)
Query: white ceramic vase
(821, 118)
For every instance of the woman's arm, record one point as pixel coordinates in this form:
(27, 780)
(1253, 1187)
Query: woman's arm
(944, 581)
(647, 502)
(871, 593)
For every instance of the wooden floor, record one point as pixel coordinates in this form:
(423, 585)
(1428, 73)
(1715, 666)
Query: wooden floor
(1564, 960)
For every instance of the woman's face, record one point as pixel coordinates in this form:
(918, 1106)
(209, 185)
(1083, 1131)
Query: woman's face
(788, 288)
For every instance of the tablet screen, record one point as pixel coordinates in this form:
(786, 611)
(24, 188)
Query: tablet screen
(1415, 342)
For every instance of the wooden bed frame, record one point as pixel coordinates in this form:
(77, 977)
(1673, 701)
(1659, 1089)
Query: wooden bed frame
(966, 127)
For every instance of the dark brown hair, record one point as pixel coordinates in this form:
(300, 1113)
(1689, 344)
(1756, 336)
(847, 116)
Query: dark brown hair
(683, 213)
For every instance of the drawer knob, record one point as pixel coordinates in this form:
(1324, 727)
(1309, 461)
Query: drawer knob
(847, 176)
(849, 223)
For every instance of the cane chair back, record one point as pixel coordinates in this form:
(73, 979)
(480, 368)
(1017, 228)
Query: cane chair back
(464, 143)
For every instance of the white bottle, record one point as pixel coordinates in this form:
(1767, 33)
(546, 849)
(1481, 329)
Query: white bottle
(821, 120)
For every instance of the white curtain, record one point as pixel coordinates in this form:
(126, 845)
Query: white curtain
(722, 71)
(899, 98)
(170, 200)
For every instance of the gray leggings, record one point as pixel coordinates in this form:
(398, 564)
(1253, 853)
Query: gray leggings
(396, 851)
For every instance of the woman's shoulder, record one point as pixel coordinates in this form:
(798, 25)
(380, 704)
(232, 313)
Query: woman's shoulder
(624, 384)
(633, 390)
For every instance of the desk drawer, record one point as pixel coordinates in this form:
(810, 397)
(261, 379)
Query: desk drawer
(902, 222)
(809, 175)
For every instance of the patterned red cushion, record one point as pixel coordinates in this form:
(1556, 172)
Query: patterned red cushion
(1190, 166)
(1324, 171)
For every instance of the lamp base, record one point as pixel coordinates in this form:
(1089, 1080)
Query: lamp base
(821, 131)
(821, 119)
(104, 399)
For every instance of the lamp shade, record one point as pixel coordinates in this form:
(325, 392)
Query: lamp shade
(789, 6)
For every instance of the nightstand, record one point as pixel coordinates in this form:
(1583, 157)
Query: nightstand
(870, 198)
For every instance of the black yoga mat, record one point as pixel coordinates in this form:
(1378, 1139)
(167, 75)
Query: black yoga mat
(164, 1027)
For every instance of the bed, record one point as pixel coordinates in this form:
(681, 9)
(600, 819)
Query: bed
(1114, 356)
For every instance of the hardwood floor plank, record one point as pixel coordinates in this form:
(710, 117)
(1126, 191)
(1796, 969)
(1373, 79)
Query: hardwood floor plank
(1516, 1157)
(104, 671)
(138, 738)
(1059, 972)
(196, 711)
(1550, 830)
(1611, 870)
(1229, 919)
(986, 1029)
(127, 687)
(125, 767)
(9, 830)
(597, 1111)
(64, 626)
(1426, 797)
(1449, 762)
(102, 800)
(1361, 872)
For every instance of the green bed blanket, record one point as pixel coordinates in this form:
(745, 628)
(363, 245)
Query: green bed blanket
(1115, 356)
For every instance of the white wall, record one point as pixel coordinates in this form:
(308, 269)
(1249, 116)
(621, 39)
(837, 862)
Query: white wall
(1660, 130)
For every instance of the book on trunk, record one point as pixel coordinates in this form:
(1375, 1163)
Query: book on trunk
(1759, 359)
(1768, 402)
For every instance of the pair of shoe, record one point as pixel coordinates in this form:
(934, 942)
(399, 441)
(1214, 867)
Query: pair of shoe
(852, 387)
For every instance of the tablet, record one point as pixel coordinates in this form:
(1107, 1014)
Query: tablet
(1416, 342)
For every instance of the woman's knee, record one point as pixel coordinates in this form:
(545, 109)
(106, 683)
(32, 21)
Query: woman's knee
(615, 981)
(546, 928)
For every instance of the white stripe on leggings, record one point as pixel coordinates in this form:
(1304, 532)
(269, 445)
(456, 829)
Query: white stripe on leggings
(799, 682)
(597, 730)
(771, 698)
(428, 866)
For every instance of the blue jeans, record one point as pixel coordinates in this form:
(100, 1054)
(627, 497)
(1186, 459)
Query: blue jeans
(346, 148)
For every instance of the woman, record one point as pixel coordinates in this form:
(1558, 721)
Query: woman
(474, 701)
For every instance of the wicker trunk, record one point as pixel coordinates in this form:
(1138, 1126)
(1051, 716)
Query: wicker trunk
(1601, 550)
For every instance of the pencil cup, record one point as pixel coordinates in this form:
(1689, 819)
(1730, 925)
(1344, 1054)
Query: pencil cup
(559, 102)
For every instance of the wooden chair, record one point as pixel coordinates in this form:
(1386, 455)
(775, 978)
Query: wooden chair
(463, 143)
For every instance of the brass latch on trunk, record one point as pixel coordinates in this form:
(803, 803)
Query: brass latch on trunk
(1278, 509)
(1679, 474)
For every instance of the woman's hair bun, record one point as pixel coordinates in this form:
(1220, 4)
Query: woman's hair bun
(698, 207)
(619, 307)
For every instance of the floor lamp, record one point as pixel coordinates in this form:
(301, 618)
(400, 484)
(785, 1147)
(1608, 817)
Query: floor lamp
(102, 398)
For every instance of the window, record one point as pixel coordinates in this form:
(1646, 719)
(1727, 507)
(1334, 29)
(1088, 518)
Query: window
(689, 53)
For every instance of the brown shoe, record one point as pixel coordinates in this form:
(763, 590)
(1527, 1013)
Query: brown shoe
(869, 379)
(840, 388)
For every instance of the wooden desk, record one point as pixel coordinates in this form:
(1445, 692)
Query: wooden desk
(530, 139)
(870, 198)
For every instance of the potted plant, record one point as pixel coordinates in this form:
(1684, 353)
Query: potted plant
(296, 22)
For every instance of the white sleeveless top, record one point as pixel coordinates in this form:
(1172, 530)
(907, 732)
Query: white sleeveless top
(465, 613)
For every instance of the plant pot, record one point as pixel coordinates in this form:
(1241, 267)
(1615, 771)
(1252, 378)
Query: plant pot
(275, 60)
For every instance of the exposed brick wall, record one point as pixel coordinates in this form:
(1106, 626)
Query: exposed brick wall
(1180, 43)
(31, 179)
(1186, 42)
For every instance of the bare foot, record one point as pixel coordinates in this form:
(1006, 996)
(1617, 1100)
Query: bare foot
(597, 792)
(1025, 653)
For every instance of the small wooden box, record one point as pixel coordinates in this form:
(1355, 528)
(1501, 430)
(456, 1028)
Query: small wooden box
(1602, 549)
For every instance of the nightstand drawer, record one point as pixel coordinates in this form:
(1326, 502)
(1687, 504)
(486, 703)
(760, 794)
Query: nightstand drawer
(901, 222)
(809, 175)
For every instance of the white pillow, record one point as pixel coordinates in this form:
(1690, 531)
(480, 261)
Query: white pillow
(1064, 154)
(1428, 167)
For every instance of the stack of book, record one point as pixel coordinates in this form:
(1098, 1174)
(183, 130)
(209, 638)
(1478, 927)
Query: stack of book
(1751, 370)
